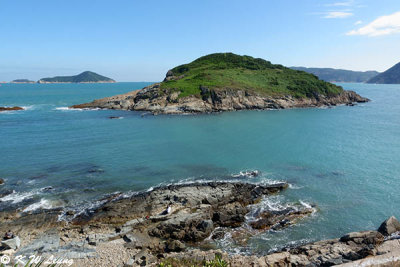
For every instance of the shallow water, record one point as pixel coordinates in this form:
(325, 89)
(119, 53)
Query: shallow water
(344, 159)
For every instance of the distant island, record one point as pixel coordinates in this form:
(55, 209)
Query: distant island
(84, 77)
(391, 76)
(225, 82)
(22, 81)
(339, 75)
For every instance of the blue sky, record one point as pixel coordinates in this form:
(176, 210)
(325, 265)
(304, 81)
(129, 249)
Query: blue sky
(131, 40)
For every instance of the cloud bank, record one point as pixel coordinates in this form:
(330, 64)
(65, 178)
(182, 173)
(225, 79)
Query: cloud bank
(384, 25)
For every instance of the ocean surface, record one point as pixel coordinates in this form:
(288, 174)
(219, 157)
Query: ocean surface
(345, 160)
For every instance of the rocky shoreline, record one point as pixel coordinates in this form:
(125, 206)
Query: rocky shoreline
(164, 101)
(177, 223)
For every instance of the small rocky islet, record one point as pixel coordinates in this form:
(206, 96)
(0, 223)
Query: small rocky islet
(178, 223)
(227, 82)
(10, 108)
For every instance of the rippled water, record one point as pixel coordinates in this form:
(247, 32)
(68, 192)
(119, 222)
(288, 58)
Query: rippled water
(345, 159)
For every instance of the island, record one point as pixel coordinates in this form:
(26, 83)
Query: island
(22, 81)
(227, 82)
(84, 77)
(340, 75)
(391, 76)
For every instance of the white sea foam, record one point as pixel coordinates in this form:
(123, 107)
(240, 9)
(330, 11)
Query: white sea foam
(42, 204)
(74, 109)
(16, 197)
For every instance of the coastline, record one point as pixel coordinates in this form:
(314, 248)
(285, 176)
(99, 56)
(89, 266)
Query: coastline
(152, 100)
(178, 222)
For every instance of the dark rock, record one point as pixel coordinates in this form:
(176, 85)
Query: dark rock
(230, 216)
(1, 181)
(10, 108)
(389, 226)
(279, 219)
(114, 117)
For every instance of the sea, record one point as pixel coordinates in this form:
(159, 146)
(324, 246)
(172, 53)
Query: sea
(344, 161)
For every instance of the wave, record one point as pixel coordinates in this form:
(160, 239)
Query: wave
(17, 197)
(42, 204)
(74, 109)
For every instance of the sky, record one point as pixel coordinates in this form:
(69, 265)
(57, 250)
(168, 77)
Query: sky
(132, 40)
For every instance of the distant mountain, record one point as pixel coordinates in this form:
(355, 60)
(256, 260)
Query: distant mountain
(391, 76)
(84, 77)
(339, 75)
(22, 81)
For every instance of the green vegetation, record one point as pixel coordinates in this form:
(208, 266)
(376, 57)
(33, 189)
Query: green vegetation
(230, 71)
(22, 81)
(216, 262)
(391, 76)
(338, 75)
(86, 76)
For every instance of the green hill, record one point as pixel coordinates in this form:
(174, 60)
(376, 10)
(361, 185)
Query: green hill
(230, 71)
(339, 75)
(391, 76)
(84, 77)
(225, 82)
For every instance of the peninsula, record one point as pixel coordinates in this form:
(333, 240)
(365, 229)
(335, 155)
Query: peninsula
(391, 76)
(340, 75)
(84, 77)
(227, 82)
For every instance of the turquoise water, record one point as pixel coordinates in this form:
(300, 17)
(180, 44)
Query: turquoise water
(344, 159)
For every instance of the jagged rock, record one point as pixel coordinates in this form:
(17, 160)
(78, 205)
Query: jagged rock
(1, 181)
(389, 226)
(280, 219)
(13, 243)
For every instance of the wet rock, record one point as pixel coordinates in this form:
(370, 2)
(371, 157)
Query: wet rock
(114, 117)
(1, 181)
(13, 243)
(389, 226)
(218, 234)
(280, 219)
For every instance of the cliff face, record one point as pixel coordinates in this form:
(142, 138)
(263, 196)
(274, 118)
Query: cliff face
(163, 101)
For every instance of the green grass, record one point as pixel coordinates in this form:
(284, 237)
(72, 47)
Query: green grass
(229, 71)
(216, 262)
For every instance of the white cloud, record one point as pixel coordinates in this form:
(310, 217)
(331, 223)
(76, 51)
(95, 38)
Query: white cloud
(337, 15)
(383, 25)
(346, 3)
(358, 22)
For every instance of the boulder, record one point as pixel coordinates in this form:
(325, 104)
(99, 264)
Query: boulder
(13, 243)
(1, 181)
(389, 226)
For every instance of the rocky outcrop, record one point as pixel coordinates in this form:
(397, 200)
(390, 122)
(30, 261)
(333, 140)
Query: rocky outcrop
(10, 108)
(165, 101)
(152, 226)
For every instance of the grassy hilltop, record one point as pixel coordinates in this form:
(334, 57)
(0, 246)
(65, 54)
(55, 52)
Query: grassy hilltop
(231, 71)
